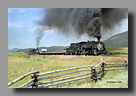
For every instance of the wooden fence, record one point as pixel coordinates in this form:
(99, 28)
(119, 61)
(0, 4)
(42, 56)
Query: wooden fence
(94, 72)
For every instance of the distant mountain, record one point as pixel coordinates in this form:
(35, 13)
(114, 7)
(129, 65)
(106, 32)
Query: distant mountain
(117, 41)
(52, 48)
(13, 50)
(9, 50)
(25, 50)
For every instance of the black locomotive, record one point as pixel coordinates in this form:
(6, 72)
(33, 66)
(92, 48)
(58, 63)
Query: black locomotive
(87, 48)
(33, 51)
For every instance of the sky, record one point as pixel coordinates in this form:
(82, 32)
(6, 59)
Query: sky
(23, 21)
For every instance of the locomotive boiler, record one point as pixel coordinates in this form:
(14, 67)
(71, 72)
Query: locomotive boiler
(87, 48)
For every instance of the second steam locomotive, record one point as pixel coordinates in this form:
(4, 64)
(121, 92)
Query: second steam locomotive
(87, 48)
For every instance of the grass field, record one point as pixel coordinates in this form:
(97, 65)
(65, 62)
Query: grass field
(21, 63)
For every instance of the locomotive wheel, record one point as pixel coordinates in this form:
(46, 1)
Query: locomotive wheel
(83, 52)
(76, 53)
(86, 54)
(95, 52)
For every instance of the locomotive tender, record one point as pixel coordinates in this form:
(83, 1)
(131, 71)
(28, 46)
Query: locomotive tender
(87, 48)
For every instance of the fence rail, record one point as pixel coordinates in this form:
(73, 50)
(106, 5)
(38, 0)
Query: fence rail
(50, 72)
(95, 73)
(23, 76)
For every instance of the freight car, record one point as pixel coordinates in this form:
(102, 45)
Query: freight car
(86, 48)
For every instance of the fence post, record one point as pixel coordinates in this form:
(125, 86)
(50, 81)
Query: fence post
(102, 66)
(91, 64)
(91, 69)
(35, 79)
(93, 73)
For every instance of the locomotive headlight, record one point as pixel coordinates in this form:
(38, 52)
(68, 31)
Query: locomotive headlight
(100, 46)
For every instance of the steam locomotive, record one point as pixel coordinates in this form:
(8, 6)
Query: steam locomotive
(81, 48)
(33, 51)
(86, 48)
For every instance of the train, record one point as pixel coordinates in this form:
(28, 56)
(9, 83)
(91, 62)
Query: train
(87, 48)
(37, 52)
(80, 48)
(33, 51)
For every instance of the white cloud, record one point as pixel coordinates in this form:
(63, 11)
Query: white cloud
(15, 24)
(26, 26)
(21, 25)
(15, 10)
(36, 18)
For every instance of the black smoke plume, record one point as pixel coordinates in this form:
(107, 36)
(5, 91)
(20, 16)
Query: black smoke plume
(39, 34)
(112, 17)
(83, 20)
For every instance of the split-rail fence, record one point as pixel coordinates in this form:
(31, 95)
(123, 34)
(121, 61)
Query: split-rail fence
(94, 72)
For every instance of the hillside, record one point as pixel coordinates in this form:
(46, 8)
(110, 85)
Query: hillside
(52, 48)
(117, 41)
(13, 50)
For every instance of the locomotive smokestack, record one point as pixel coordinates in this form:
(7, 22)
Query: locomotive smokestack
(37, 50)
(98, 38)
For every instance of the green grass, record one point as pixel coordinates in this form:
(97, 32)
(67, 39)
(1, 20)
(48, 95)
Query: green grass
(19, 55)
(111, 79)
(117, 51)
(21, 63)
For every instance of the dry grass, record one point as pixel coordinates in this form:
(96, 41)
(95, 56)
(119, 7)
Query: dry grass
(20, 63)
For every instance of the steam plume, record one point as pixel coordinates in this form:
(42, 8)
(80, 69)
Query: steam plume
(39, 34)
